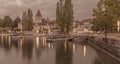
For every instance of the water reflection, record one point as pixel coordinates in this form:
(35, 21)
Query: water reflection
(9, 40)
(37, 42)
(6, 42)
(84, 50)
(65, 46)
(96, 61)
(49, 45)
(64, 53)
(15, 43)
(19, 49)
(27, 48)
(74, 48)
(40, 45)
(102, 58)
(44, 41)
(21, 41)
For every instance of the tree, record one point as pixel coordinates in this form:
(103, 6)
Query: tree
(15, 23)
(30, 19)
(8, 22)
(2, 23)
(64, 15)
(59, 15)
(106, 14)
(68, 15)
(24, 19)
(27, 20)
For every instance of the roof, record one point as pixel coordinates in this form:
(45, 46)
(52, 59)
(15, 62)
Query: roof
(40, 24)
(38, 13)
(86, 20)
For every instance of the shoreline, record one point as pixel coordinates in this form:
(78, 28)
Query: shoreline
(106, 52)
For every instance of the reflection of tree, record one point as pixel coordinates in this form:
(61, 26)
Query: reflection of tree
(64, 54)
(6, 43)
(27, 48)
(38, 52)
(15, 44)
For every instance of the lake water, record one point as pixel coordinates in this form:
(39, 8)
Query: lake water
(35, 50)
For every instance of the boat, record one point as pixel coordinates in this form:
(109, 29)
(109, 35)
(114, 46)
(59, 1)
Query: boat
(58, 38)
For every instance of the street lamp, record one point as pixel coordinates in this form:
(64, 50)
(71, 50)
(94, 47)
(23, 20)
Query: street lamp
(106, 31)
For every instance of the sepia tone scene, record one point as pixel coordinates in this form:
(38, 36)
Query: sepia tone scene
(59, 31)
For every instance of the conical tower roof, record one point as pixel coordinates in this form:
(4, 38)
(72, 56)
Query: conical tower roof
(38, 13)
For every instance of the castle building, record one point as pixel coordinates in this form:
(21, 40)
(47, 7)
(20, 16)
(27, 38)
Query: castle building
(38, 18)
(40, 25)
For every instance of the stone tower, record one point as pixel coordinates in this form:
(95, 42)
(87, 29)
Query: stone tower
(38, 21)
(38, 18)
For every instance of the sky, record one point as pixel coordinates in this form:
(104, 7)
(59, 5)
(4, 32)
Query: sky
(83, 9)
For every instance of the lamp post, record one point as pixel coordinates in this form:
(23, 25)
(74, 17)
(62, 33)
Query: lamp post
(106, 31)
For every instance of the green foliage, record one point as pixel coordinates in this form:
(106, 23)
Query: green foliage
(27, 20)
(24, 19)
(15, 23)
(30, 19)
(64, 15)
(7, 22)
(2, 23)
(106, 14)
(68, 15)
(59, 15)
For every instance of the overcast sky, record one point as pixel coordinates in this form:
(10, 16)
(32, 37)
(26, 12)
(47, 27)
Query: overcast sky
(82, 8)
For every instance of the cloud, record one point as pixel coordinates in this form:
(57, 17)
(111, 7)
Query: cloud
(82, 8)
(19, 2)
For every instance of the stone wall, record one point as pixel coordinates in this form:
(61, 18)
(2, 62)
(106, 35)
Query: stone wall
(109, 44)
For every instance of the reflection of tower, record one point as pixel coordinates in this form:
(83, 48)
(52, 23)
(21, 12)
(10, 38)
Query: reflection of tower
(39, 44)
(64, 53)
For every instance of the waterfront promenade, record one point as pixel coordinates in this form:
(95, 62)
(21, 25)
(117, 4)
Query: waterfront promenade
(111, 46)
